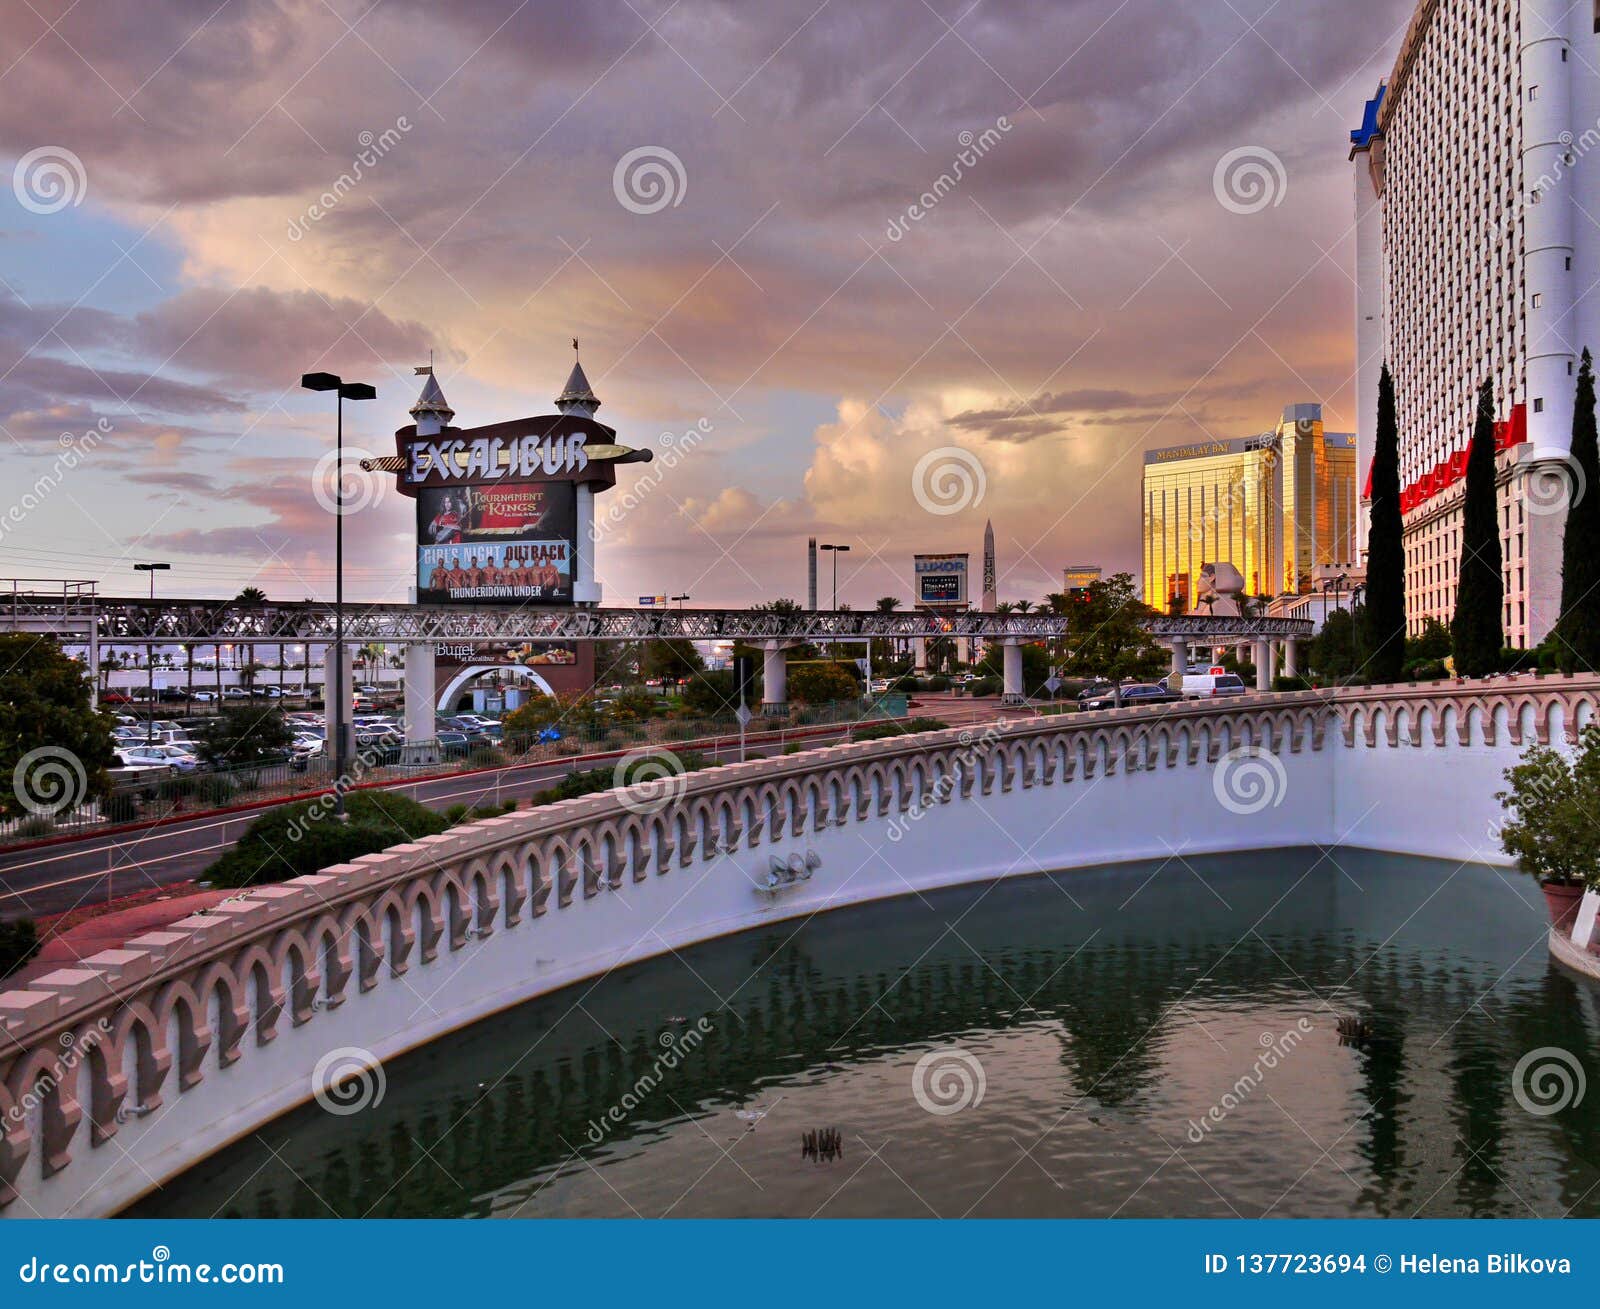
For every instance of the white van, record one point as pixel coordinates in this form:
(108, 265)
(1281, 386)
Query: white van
(1208, 683)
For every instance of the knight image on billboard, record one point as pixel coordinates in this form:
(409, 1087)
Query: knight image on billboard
(509, 541)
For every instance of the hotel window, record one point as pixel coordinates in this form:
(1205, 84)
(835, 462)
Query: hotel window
(1538, 299)
(1538, 404)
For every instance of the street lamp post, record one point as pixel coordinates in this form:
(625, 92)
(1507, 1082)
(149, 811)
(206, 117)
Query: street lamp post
(150, 654)
(344, 391)
(680, 599)
(836, 551)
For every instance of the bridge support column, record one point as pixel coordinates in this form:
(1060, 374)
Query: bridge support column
(421, 747)
(1263, 665)
(585, 590)
(774, 681)
(1291, 659)
(1241, 653)
(338, 709)
(919, 655)
(1180, 662)
(1011, 665)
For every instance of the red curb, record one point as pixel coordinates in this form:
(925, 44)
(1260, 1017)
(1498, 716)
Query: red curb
(194, 815)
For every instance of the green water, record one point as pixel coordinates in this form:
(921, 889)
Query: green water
(1120, 1021)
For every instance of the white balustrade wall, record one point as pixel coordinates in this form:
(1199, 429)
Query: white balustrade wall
(125, 1070)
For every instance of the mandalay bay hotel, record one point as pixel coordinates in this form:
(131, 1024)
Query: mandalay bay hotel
(1277, 506)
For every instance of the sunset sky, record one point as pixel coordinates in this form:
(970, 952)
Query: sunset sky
(1082, 292)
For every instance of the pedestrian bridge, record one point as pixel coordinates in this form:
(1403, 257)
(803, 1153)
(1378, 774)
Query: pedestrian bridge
(124, 1071)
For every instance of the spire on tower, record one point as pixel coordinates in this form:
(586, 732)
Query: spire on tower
(577, 397)
(432, 411)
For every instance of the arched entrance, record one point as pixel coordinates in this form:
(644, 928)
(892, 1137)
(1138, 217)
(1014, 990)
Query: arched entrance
(471, 672)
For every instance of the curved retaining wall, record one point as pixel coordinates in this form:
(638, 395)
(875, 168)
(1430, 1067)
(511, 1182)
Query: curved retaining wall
(122, 1072)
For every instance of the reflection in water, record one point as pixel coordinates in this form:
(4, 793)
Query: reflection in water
(1116, 1026)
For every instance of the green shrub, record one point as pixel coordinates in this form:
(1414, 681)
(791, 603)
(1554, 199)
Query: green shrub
(180, 787)
(486, 756)
(985, 686)
(1295, 683)
(457, 814)
(38, 825)
(19, 941)
(1549, 826)
(302, 838)
(589, 781)
(121, 807)
(216, 790)
(898, 727)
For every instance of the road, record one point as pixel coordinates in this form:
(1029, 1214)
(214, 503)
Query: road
(53, 879)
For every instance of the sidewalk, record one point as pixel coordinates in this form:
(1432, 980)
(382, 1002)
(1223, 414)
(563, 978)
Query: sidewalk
(87, 932)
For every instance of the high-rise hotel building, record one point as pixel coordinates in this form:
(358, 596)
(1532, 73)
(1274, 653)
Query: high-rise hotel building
(1275, 506)
(1476, 245)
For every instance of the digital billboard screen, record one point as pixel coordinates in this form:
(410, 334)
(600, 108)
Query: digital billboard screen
(937, 588)
(492, 544)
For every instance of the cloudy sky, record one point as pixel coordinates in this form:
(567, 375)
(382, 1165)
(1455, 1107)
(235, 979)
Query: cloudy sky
(1142, 237)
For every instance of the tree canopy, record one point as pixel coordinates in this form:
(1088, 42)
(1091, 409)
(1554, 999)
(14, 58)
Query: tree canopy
(54, 748)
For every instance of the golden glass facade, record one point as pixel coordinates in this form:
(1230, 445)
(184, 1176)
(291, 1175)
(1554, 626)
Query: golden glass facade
(1273, 505)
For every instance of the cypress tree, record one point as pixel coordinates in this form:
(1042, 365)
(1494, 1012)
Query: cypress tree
(1384, 615)
(1579, 625)
(1477, 633)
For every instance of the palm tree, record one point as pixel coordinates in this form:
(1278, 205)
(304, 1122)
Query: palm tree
(252, 595)
(888, 604)
(1022, 606)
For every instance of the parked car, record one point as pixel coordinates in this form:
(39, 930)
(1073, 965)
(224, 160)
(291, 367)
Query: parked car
(163, 755)
(235, 693)
(1209, 684)
(125, 775)
(454, 743)
(1139, 693)
(205, 697)
(116, 697)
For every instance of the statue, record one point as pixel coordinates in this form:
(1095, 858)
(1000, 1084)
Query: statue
(1219, 589)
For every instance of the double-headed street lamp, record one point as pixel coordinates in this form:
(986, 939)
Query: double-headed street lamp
(836, 551)
(338, 727)
(150, 654)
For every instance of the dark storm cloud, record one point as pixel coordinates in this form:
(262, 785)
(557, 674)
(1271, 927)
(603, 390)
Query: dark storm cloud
(264, 340)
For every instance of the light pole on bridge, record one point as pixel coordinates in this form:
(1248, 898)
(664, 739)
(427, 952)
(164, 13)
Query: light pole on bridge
(150, 654)
(337, 725)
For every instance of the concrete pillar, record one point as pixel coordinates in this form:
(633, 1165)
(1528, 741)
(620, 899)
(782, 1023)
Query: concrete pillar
(1263, 663)
(1291, 659)
(919, 654)
(1180, 662)
(420, 746)
(338, 710)
(774, 680)
(585, 590)
(1011, 683)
